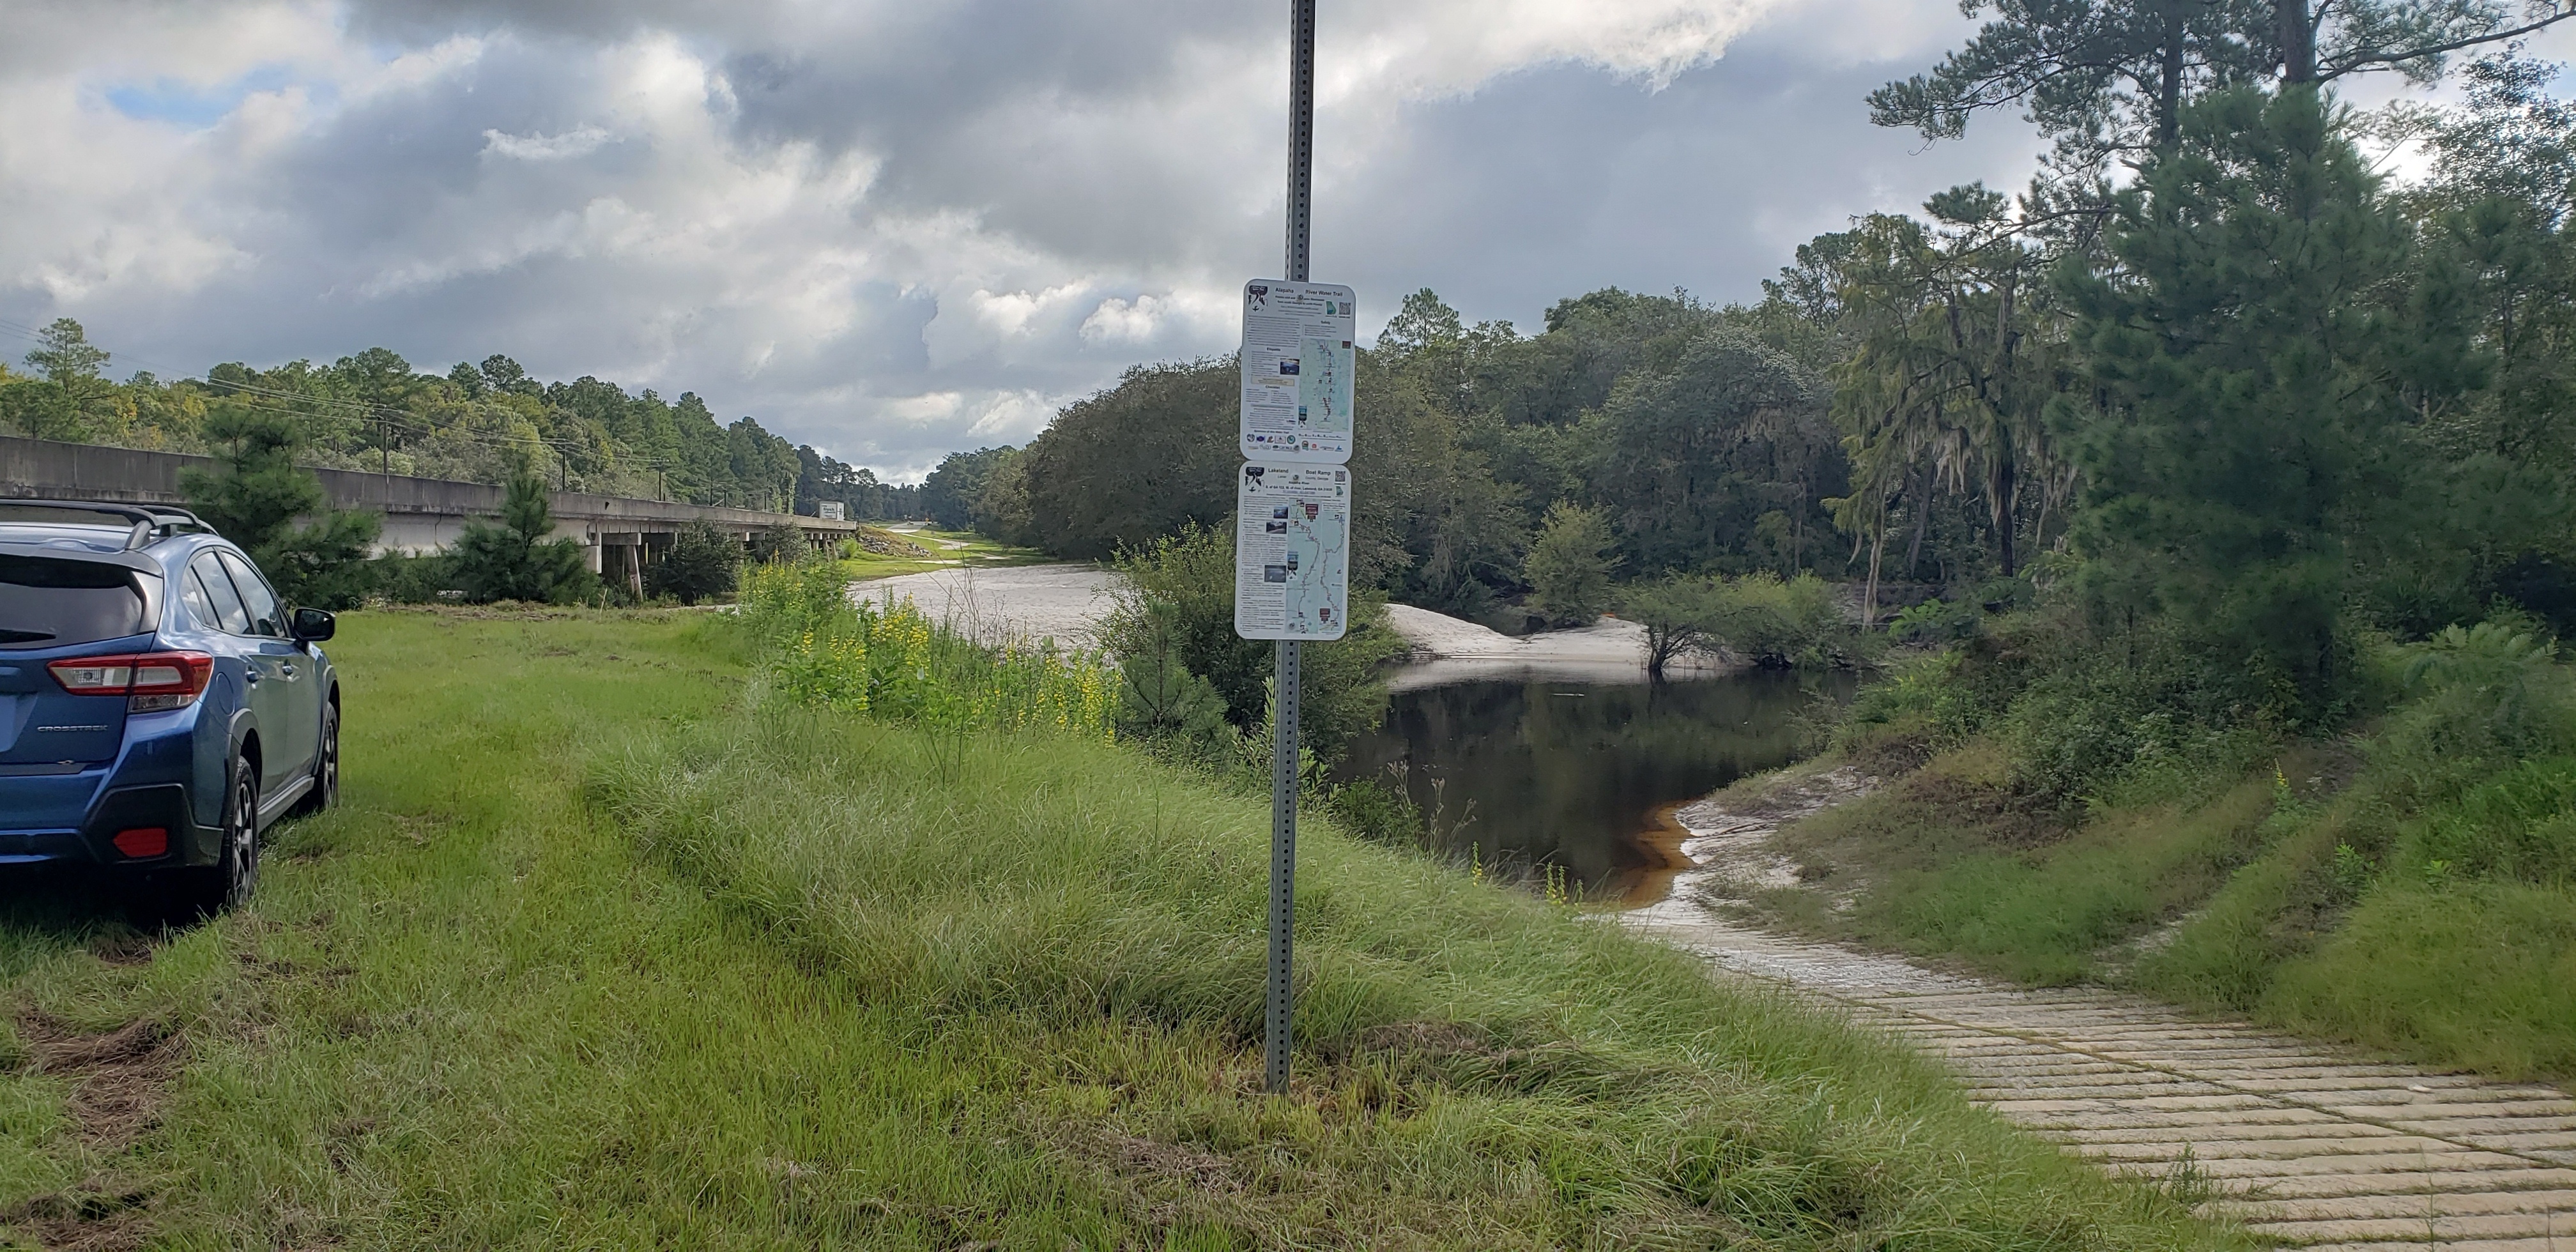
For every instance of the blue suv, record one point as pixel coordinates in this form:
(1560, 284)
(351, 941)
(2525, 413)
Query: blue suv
(159, 705)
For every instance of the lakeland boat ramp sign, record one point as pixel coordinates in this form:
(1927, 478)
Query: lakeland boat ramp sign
(1297, 363)
(1292, 551)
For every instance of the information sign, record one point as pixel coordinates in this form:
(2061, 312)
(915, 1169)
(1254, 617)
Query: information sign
(1297, 365)
(1292, 551)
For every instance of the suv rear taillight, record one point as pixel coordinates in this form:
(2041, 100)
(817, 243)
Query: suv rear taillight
(150, 681)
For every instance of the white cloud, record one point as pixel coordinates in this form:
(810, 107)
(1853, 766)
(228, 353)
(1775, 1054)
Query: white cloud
(1120, 320)
(578, 142)
(1015, 415)
(890, 229)
(1448, 46)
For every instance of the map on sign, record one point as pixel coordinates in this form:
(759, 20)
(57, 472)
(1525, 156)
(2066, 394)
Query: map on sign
(1297, 365)
(1292, 551)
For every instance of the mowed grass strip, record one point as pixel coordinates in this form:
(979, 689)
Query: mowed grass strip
(594, 956)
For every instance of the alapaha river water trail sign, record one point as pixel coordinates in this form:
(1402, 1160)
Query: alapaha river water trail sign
(1297, 364)
(1292, 523)
(1292, 551)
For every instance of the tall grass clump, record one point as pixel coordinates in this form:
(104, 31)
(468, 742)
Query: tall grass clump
(1079, 926)
(1475, 1067)
(886, 658)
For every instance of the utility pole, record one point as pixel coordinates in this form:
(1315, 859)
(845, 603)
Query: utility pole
(1289, 652)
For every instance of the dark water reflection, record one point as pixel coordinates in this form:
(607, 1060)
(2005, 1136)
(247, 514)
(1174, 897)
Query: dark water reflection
(1581, 775)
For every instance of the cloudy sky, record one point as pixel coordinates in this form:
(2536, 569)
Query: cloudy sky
(893, 228)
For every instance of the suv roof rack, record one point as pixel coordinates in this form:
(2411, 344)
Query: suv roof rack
(150, 521)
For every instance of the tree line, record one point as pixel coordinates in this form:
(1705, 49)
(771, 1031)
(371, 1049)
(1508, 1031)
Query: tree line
(475, 423)
(2211, 388)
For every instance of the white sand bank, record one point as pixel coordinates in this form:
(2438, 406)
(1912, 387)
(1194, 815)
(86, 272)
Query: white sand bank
(1064, 602)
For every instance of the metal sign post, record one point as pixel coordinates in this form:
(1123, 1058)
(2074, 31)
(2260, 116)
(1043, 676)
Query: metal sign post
(1283, 746)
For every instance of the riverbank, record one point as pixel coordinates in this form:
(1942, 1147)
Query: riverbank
(1064, 602)
(597, 955)
(1447, 650)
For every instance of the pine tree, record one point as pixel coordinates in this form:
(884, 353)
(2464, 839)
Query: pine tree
(258, 497)
(515, 560)
(702, 563)
(2262, 347)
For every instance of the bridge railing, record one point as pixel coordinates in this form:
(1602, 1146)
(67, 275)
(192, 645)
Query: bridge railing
(421, 514)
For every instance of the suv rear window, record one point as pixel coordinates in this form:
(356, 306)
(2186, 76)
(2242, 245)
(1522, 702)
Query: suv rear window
(47, 604)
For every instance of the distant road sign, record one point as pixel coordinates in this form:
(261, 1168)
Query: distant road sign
(1298, 360)
(829, 510)
(1292, 551)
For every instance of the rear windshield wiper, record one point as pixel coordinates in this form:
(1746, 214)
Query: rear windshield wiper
(24, 636)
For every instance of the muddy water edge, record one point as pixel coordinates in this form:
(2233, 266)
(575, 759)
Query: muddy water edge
(1586, 776)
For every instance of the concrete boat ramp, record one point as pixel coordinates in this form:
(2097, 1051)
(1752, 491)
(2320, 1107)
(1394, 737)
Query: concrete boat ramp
(2306, 1147)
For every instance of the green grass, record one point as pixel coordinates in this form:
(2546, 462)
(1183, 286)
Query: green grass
(2439, 968)
(594, 956)
(975, 552)
(2255, 901)
(2474, 974)
(1947, 862)
(2410, 889)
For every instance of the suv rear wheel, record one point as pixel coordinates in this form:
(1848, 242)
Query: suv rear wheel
(227, 884)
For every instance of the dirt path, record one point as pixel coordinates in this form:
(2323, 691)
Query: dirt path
(2306, 1147)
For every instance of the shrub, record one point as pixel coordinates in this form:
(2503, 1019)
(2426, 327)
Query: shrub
(2091, 716)
(778, 541)
(1179, 602)
(1935, 621)
(887, 660)
(2482, 753)
(2520, 825)
(1569, 565)
(1783, 623)
(1918, 708)
(407, 579)
(1160, 700)
(2479, 698)
(1377, 812)
(1761, 618)
(700, 565)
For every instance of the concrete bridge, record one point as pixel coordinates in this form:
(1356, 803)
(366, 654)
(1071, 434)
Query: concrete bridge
(623, 535)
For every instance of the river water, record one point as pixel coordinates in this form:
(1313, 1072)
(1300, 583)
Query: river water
(1581, 775)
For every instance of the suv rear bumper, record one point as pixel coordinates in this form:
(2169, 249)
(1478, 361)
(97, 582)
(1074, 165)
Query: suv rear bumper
(162, 805)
